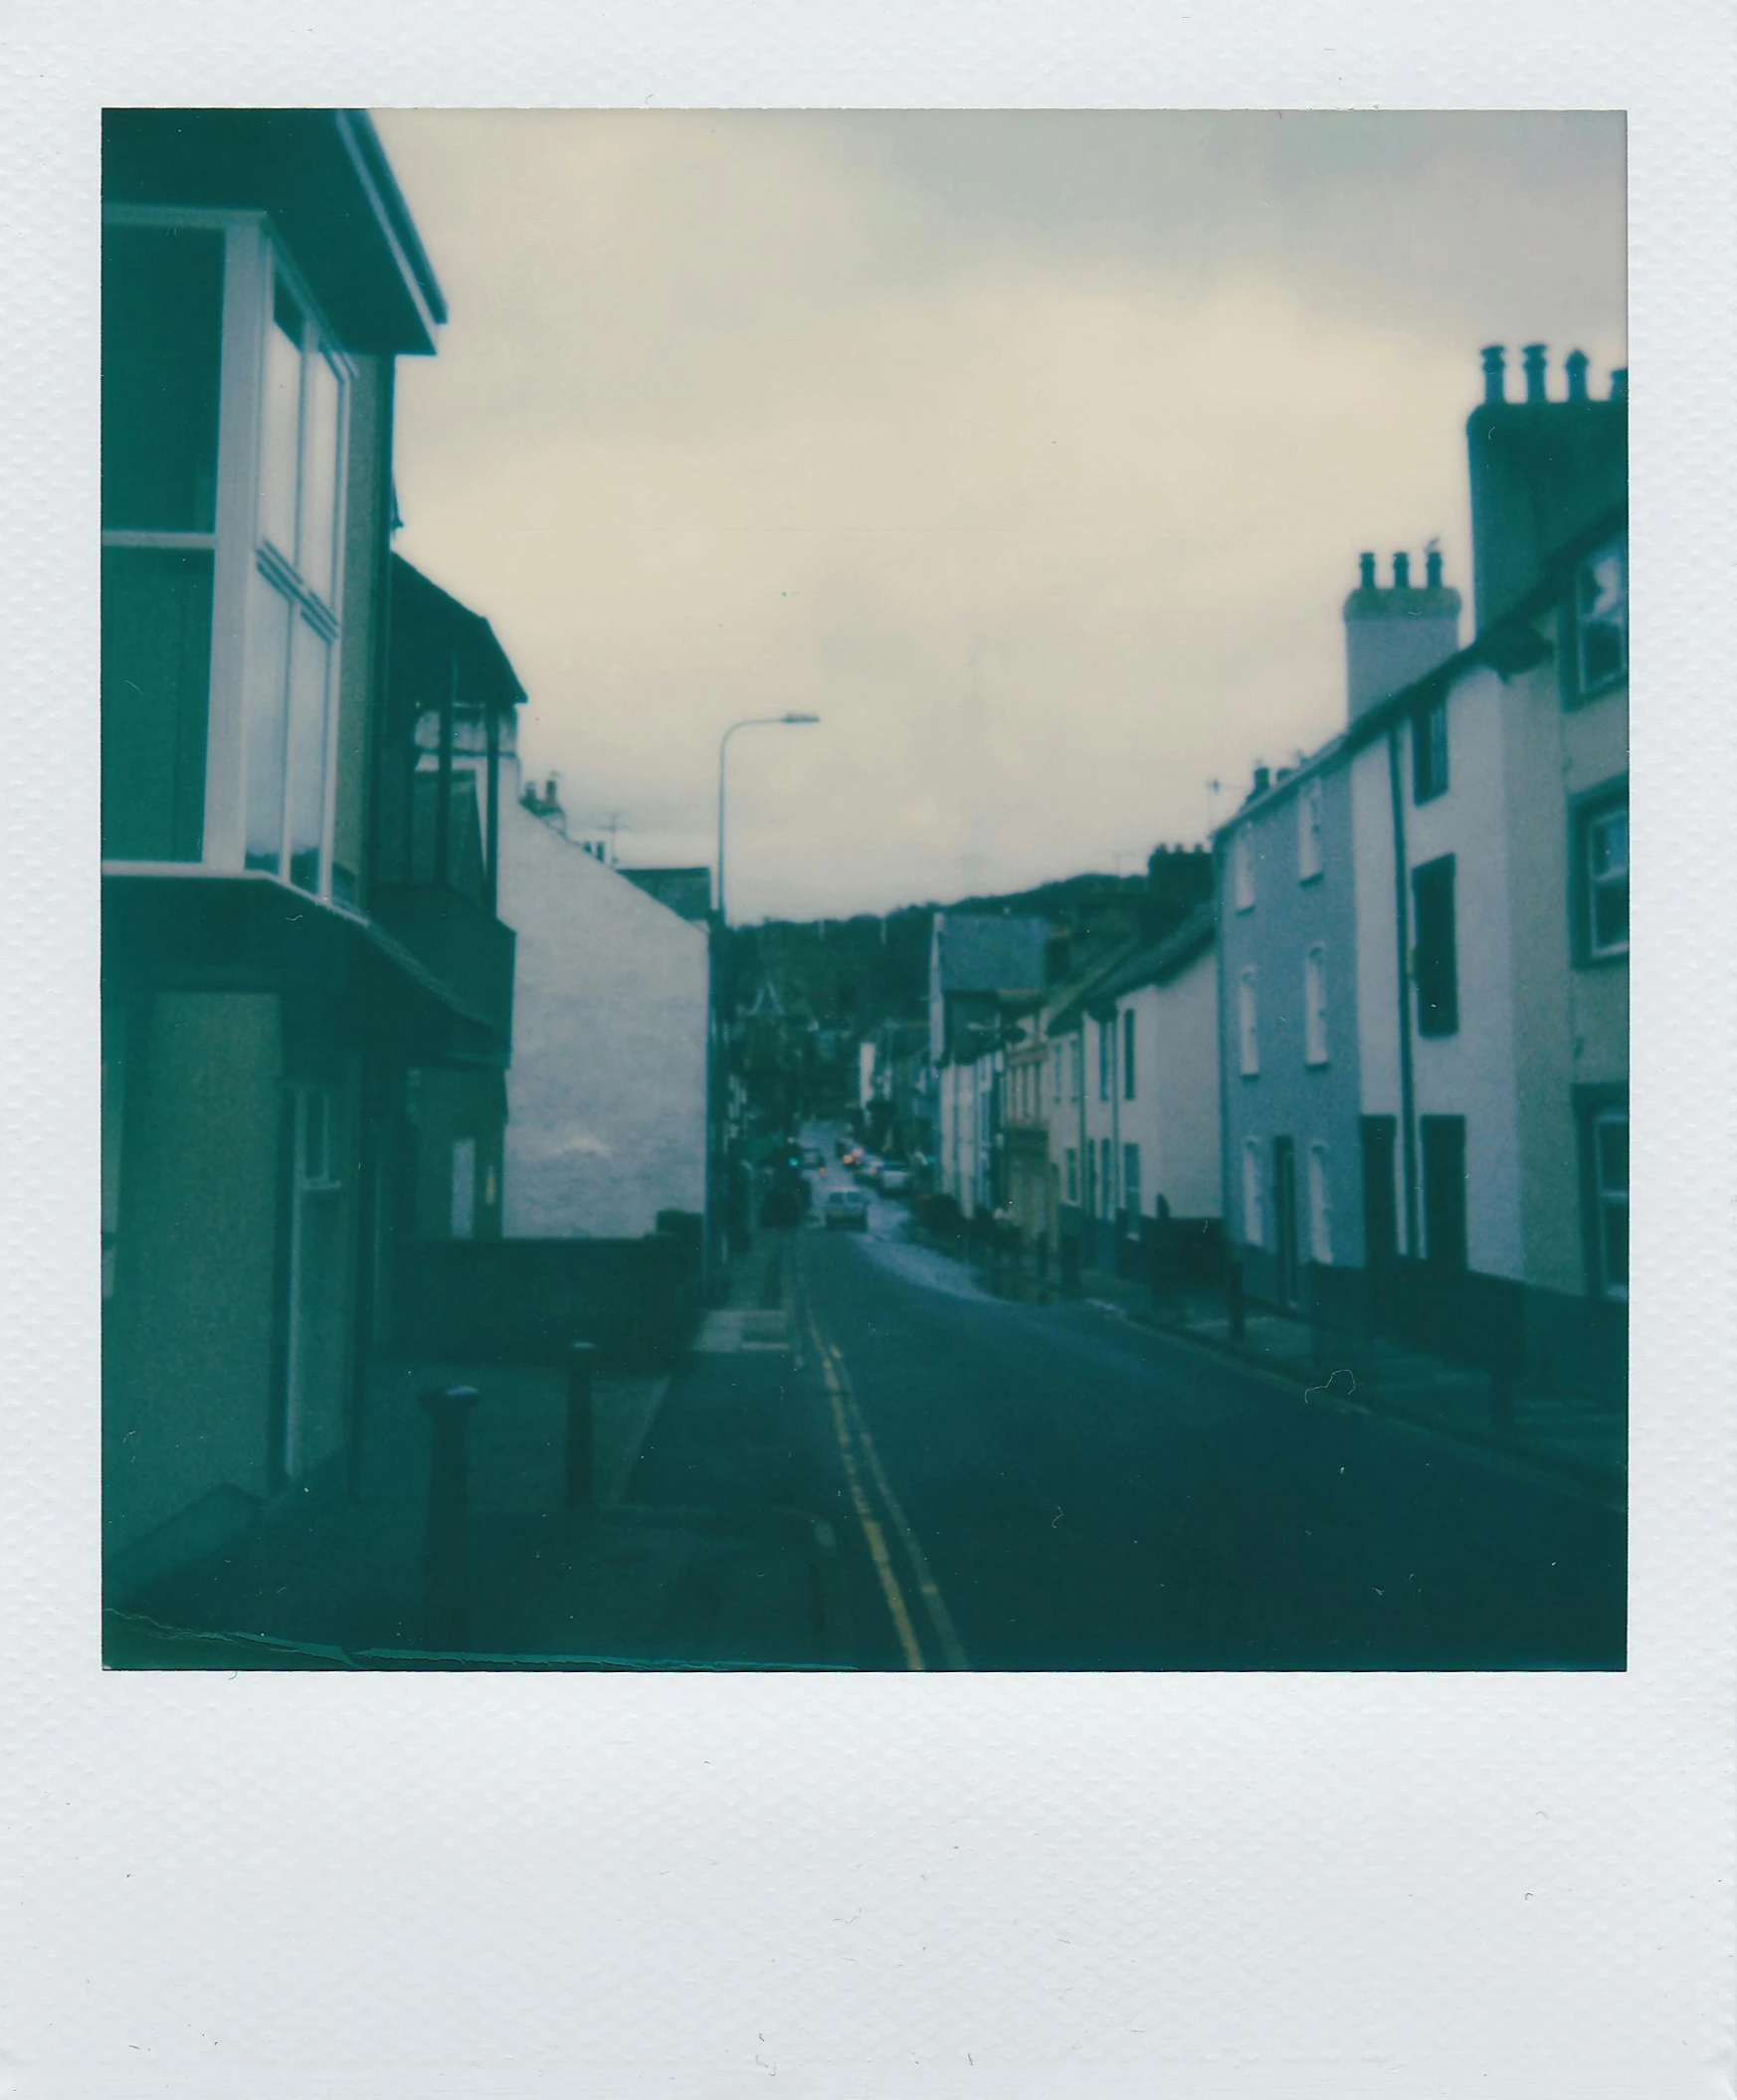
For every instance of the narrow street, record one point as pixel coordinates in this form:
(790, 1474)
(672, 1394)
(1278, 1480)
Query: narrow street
(1018, 1486)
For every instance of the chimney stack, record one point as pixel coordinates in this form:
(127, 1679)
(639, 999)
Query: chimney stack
(1494, 383)
(1619, 383)
(1263, 780)
(1394, 637)
(1534, 355)
(1574, 365)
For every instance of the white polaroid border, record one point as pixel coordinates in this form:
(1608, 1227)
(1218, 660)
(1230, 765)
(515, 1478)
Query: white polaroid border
(497, 1886)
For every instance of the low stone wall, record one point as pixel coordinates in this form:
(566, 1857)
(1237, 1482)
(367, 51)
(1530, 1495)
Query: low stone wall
(526, 1301)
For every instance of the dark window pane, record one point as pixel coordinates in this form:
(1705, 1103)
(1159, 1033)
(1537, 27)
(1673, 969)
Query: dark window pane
(1615, 1246)
(162, 338)
(1611, 915)
(1437, 961)
(1613, 1154)
(156, 687)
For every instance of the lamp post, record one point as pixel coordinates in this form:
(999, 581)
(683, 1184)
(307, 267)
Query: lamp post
(720, 1077)
(758, 721)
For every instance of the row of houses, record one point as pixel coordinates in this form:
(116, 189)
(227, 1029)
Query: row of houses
(1375, 1052)
(360, 991)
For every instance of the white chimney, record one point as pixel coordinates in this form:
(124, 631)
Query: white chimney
(1394, 636)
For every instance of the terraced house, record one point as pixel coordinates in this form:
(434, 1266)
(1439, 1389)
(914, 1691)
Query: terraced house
(1424, 933)
(294, 971)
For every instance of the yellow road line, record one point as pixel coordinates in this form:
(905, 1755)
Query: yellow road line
(939, 1617)
(872, 1531)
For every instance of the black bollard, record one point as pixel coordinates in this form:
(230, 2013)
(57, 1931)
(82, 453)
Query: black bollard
(443, 1569)
(581, 1456)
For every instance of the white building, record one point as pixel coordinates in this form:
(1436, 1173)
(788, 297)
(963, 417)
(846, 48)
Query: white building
(606, 1090)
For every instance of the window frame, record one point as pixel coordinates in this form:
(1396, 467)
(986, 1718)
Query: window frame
(1585, 811)
(1431, 771)
(255, 258)
(1320, 1204)
(1312, 855)
(1128, 1083)
(1583, 688)
(1316, 1052)
(1132, 1194)
(1593, 1106)
(1254, 1193)
(1243, 867)
(1444, 1020)
(1249, 1021)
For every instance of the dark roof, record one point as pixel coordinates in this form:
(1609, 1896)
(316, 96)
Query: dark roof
(1076, 997)
(1161, 960)
(984, 954)
(322, 177)
(429, 629)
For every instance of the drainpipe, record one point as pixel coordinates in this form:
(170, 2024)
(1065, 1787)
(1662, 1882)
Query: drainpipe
(1116, 1190)
(1402, 941)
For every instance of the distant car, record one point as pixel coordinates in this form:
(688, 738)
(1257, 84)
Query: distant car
(868, 1167)
(812, 1157)
(848, 1211)
(852, 1156)
(895, 1181)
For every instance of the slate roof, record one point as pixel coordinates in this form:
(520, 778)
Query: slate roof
(1159, 961)
(985, 954)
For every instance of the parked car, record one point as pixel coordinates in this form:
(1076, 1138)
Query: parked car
(848, 1211)
(895, 1181)
(813, 1158)
(868, 1167)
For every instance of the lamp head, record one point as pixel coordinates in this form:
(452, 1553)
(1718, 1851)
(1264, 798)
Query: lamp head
(801, 717)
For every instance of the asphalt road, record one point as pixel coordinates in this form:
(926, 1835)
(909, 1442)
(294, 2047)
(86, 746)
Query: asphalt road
(1020, 1486)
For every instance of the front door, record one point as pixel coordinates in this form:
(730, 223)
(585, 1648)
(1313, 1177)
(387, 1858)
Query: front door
(1444, 1145)
(1380, 1199)
(1284, 1211)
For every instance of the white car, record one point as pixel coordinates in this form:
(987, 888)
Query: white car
(893, 1180)
(846, 1211)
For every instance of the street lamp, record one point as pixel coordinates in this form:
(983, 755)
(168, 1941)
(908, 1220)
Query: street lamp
(758, 721)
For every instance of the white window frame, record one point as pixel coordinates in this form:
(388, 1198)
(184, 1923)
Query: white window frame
(1129, 1044)
(1309, 820)
(1594, 882)
(1605, 1200)
(1320, 1193)
(1254, 1193)
(1249, 1022)
(1070, 1162)
(1315, 1003)
(1243, 867)
(1618, 549)
(253, 255)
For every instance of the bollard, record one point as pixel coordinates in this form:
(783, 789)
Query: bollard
(443, 1572)
(1234, 1300)
(581, 1456)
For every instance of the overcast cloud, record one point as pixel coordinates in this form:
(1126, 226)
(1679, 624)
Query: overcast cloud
(1034, 452)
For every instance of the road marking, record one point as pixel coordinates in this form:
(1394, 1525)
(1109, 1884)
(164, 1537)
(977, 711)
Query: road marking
(872, 1531)
(939, 1617)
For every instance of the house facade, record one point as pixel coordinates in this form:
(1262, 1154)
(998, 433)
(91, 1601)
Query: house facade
(273, 982)
(980, 966)
(1426, 1130)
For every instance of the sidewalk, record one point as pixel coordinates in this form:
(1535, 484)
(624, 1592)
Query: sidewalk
(1573, 1437)
(328, 1578)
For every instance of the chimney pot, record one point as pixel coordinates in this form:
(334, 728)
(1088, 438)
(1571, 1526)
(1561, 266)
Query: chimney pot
(1402, 572)
(1619, 383)
(1263, 780)
(1433, 568)
(1574, 364)
(1366, 572)
(1535, 355)
(1494, 383)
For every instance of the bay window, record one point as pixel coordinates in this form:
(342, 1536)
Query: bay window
(223, 411)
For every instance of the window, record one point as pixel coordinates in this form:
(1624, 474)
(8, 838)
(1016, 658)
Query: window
(1601, 614)
(316, 1167)
(1077, 1059)
(1243, 869)
(1247, 1035)
(1434, 967)
(222, 476)
(1057, 1076)
(1429, 751)
(1320, 1207)
(1129, 1053)
(1106, 1188)
(1308, 833)
(1073, 1162)
(1315, 1006)
(1604, 878)
(1609, 1203)
(1131, 1186)
(1253, 1217)
(1106, 1045)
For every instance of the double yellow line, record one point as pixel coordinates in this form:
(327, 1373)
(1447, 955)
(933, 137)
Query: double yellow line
(856, 1447)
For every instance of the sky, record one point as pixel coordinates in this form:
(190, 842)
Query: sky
(1033, 452)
